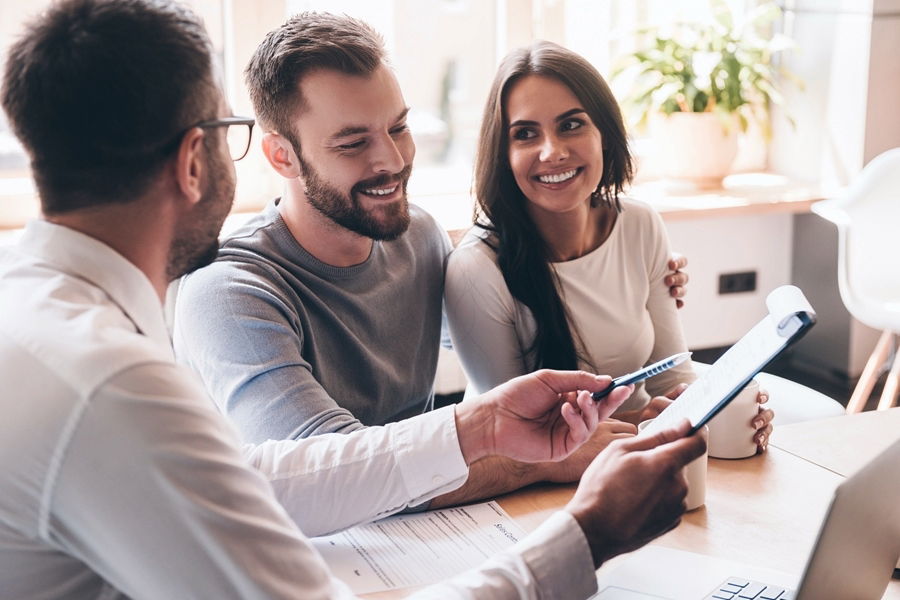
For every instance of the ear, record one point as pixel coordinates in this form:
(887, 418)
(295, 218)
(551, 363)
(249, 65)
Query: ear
(189, 165)
(280, 154)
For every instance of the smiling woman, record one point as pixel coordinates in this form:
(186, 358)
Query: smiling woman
(523, 290)
(556, 158)
(560, 271)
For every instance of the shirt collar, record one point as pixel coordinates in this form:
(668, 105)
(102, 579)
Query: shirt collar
(87, 258)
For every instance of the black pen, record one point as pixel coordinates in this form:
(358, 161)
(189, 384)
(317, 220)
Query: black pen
(642, 374)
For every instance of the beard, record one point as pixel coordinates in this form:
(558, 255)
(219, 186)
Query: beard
(196, 243)
(385, 222)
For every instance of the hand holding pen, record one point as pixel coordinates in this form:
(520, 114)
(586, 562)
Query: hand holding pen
(642, 374)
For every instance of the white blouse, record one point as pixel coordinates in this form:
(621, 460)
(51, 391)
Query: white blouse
(616, 298)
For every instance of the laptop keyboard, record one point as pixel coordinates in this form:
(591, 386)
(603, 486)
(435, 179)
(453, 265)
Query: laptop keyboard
(735, 588)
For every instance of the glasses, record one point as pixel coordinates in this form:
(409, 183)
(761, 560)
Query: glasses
(238, 132)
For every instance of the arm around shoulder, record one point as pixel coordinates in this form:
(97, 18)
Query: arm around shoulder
(668, 333)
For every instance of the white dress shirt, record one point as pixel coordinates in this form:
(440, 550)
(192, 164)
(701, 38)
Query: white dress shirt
(118, 476)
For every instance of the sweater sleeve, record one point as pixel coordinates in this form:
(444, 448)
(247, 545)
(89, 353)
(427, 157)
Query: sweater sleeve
(667, 330)
(236, 329)
(481, 314)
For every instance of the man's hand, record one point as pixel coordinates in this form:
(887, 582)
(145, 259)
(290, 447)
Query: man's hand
(677, 279)
(572, 468)
(537, 417)
(634, 491)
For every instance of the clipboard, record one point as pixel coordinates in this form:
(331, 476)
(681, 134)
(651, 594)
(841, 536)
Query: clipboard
(790, 317)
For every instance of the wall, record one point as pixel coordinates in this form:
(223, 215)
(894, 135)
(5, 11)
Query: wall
(847, 56)
(726, 245)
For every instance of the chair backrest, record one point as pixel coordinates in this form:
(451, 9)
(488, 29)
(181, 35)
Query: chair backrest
(868, 218)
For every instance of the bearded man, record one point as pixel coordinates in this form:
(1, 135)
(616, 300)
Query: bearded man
(323, 313)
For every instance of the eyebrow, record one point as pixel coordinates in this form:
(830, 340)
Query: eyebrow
(562, 117)
(357, 129)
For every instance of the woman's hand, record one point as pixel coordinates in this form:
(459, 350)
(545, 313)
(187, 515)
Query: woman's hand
(762, 422)
(677, 279)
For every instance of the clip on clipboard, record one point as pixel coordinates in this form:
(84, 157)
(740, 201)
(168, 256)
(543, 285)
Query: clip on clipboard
(790, 317)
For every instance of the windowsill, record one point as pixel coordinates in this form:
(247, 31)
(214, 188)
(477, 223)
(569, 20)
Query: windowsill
(18, 202)
(741, 194)
(10, 236)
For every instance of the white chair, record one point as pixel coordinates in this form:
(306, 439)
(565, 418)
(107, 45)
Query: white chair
(867, 216)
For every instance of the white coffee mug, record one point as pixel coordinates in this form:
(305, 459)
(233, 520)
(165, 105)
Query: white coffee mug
(694, 473)
(731, 431)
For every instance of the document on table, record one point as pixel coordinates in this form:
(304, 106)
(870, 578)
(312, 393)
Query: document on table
(418, 549)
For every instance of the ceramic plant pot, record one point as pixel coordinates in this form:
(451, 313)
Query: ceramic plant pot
(697, 148)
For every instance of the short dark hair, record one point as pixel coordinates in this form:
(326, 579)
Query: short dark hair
(306, 42)
(100, 91)
(500, 205)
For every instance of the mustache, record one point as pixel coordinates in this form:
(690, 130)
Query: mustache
(384, 180)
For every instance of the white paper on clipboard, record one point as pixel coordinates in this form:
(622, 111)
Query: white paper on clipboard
(790, 316)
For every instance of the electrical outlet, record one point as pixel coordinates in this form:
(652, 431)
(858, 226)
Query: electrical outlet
(733, 283)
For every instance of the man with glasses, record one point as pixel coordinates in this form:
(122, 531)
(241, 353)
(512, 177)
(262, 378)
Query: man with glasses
(239, 131)
(323, 313)
(118, 478)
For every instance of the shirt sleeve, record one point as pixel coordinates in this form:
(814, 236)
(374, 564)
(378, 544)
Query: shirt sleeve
(399, 465)
(553, 561)
(151, 492)
(238, 331)
(668, 334)
(481, 314)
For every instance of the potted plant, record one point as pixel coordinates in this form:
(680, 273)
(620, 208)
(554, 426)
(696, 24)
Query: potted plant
(697, 84)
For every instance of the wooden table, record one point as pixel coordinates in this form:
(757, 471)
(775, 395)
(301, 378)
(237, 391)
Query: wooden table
(786, 491)
(840, 444)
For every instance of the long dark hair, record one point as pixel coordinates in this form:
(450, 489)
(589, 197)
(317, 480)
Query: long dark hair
(522, 254)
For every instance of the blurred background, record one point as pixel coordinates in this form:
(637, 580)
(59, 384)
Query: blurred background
(825, 106)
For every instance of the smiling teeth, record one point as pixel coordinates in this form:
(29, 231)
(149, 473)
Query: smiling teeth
(557, 178)
(380, 192)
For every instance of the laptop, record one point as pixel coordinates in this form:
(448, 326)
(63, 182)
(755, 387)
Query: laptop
(854, 557)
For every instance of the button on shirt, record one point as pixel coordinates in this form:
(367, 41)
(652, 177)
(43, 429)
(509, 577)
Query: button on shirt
(118, 476)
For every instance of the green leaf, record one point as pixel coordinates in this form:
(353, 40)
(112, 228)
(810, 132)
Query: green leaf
(661, 77)
(700, 102)
(670, 106)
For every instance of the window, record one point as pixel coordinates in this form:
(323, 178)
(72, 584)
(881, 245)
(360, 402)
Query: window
(444, 52)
